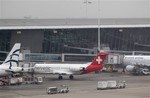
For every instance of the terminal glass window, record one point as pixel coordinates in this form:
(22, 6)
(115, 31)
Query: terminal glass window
(69, 40)
(5, 37)
(85, 40)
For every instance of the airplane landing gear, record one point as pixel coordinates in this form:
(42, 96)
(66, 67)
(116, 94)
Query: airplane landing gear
(60, 77)
(71, 77)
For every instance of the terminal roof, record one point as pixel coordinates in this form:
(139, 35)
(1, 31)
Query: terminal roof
(6, 24)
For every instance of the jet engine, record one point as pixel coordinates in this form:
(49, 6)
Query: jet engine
(78, 69)
(82, 68)
(130, 68)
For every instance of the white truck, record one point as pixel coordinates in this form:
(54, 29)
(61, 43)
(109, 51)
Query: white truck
(110, 84)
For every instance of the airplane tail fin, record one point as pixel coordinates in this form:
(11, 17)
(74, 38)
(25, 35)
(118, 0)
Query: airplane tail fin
(99, 59)
(13, 56)
(97, 63)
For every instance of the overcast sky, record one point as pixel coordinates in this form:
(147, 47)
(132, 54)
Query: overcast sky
(37, 9)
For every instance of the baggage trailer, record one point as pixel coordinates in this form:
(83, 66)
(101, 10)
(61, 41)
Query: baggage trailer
(55, 90)
(33, 80)
(110, 85)
(16, 81)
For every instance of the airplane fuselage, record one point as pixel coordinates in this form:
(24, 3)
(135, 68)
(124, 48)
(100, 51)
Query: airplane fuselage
(71, 69)
(3, 73)
(136, 60)
(75, 69)
(4, 70)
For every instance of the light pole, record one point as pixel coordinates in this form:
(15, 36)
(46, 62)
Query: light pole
(87, 2)
(99, 47)
(133, 52)
(135, 43)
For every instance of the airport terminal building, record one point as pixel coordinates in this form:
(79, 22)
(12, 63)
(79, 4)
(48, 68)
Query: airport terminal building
(75, 35)
(63, 30)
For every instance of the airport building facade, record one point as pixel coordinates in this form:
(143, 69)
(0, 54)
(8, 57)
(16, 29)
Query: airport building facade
(77, 40)
(75, 36)
(71, 26)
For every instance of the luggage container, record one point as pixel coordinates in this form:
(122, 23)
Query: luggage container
(16, 81)
(110, 85)
(102, 85)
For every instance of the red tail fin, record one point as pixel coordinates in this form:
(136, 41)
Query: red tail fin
(96, 63)
(99, 59)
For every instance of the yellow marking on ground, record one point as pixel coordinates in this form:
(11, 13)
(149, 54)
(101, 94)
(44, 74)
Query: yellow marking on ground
(147, 97)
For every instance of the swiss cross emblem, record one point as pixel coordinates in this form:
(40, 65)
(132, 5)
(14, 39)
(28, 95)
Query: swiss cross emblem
(99, 60)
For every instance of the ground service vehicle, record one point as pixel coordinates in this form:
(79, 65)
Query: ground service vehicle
(38, 80)
(110, 85)
(52, 90)
(55, 90)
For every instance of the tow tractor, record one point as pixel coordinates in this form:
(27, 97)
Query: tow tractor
(55, 90)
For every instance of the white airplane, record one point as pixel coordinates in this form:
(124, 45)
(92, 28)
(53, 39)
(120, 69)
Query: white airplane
(9, 66)
(71, 69)
(131, 62)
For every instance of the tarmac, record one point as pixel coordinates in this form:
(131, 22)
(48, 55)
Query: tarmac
(83, 86)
